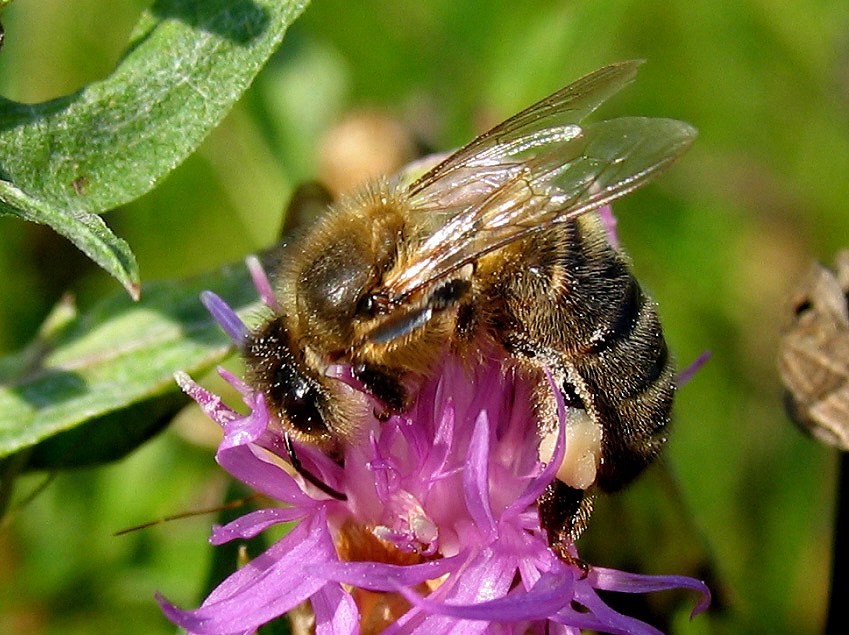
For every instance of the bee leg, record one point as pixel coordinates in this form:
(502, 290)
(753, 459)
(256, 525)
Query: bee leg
(563, 513)
(384, 384)
(309, 477)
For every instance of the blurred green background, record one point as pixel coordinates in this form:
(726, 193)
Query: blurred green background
(720, 240)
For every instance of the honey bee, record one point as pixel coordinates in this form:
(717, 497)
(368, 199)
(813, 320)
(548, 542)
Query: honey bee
(493, 247)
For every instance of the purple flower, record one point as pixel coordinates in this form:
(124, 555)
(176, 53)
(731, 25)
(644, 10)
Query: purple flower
(439, 532)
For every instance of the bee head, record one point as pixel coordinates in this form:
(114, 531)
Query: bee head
(401, 323)
(330, 287)
(294, 393)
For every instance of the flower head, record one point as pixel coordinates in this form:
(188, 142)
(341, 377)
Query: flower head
(439, 531)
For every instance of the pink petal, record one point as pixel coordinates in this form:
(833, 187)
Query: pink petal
(686, 374)
(266, 478)
(255, 522)
(226, 317)
(262, 284)
(623, 582)
(547, 597)
(476, 479)
(376, 576)
(538, 485)
(261, 590)
(335, 611)
(211, 405)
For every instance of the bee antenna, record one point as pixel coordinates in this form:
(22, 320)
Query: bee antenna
(309, 476)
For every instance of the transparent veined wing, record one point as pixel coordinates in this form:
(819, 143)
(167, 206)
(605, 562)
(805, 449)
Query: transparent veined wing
(523, 177)
(530, 127)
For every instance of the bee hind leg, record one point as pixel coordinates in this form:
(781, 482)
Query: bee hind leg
(563, 513)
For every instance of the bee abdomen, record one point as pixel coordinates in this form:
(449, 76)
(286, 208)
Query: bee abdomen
(576, 303)
(632, 345)
(624, 319)
(631, 377)
(633, 384)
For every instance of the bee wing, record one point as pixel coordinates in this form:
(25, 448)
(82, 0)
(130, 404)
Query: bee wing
(570, 104)
(536, 169)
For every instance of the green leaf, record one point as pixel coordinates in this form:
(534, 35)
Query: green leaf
(86, 230)
(82, 154)
(107, 438)
(118, 354)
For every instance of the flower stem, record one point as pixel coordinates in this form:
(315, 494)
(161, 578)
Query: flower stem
(838, 615)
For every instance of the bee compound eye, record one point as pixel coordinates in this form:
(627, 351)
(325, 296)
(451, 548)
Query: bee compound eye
(367, 305)
(372, 304)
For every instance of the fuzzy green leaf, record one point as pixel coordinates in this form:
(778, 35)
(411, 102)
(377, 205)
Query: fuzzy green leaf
(117, 354)
(86, 230)
(107, 438)
(82, 154)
